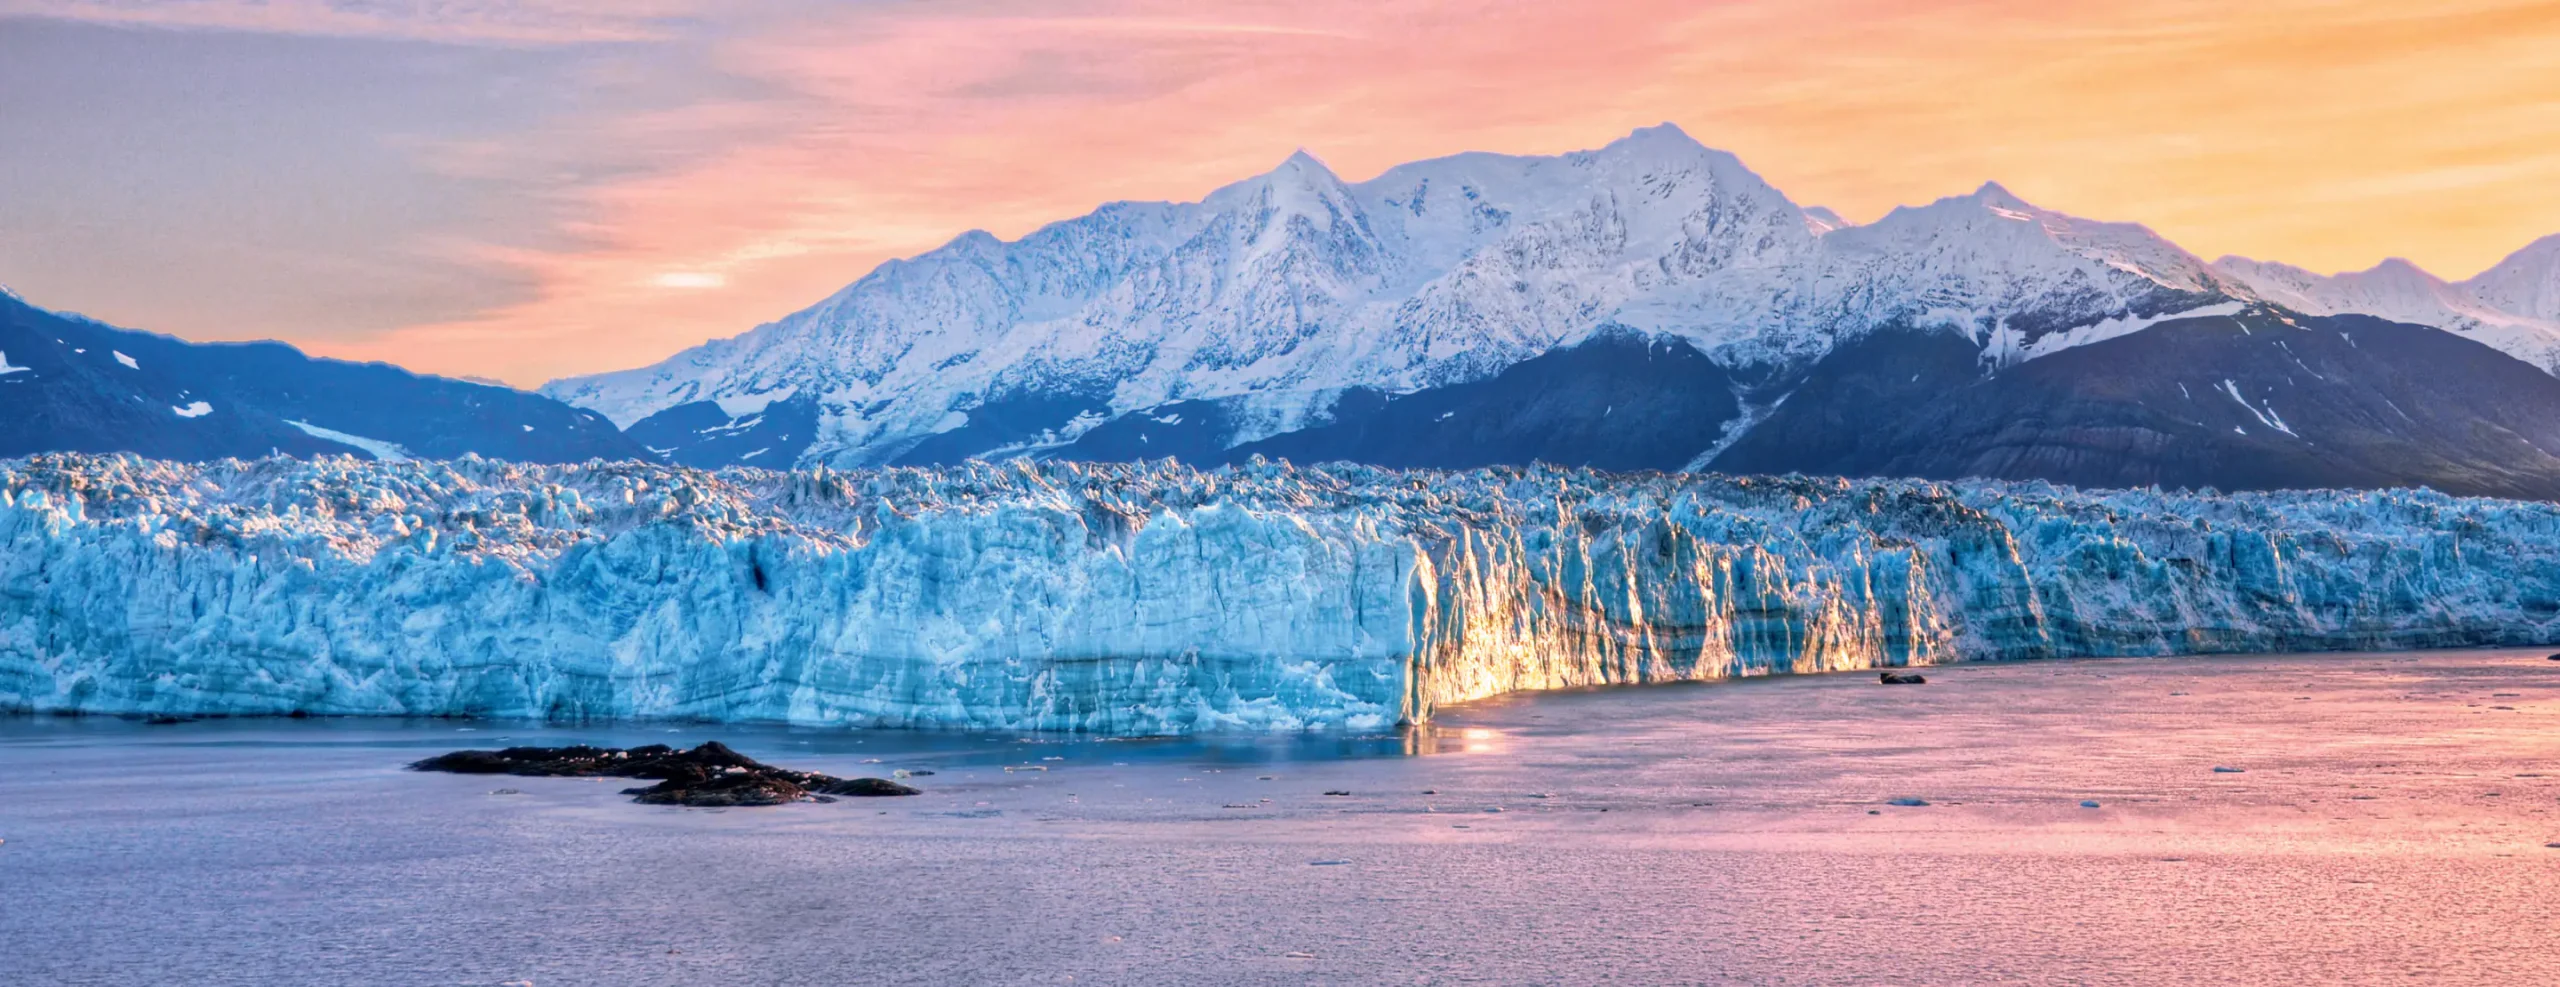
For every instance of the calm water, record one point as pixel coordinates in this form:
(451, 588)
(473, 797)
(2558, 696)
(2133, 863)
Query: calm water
(2389, 827)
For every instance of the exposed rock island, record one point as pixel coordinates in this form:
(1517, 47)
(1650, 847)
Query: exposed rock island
(708, 775)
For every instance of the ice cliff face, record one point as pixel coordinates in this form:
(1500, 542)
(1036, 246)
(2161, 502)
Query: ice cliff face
(1150, 598)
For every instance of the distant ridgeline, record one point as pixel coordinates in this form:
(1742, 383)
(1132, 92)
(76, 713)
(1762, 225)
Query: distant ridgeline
(1152, 599)
(72, 384)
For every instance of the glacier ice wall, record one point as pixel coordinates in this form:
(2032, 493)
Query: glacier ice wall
(1153, 598)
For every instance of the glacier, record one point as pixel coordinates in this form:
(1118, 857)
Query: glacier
(1152, 598)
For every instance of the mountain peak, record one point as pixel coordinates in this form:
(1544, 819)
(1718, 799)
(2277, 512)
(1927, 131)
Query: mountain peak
(1304, 159)
(1664, 140)
(1665, 132)
(1997, 195)
(1301, 162)
(2399, 269)
(2526, 283)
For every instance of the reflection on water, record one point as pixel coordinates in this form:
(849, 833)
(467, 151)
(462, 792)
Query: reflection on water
(917, 748)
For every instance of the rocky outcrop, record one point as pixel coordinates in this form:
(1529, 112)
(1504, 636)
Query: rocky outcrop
(710, 775)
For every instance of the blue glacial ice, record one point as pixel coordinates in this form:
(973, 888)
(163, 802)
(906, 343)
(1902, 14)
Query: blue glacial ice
(1152, 598)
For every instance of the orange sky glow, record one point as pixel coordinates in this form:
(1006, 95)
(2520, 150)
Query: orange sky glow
(2325, 133)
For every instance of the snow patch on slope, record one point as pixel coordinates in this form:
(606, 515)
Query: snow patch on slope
(388, 452)
(2266, 416)
(2011, 350)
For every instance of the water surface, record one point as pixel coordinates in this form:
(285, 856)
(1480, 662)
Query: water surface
(2388, 825)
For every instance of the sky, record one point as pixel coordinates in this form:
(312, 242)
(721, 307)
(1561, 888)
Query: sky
(525, 189)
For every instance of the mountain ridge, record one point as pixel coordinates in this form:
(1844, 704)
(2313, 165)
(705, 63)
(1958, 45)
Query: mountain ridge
(1277, 295)
(72, 383)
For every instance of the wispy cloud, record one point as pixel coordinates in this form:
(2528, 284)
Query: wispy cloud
(473, 21)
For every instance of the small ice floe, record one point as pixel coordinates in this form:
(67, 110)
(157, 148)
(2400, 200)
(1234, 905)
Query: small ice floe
(2228, 770)
(1907, 802)
(2088, 803)
(1337, 791)
(1327, 863)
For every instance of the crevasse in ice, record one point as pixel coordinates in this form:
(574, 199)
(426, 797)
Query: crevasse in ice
(1152, 598)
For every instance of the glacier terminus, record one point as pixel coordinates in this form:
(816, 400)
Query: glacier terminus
(1154, 598)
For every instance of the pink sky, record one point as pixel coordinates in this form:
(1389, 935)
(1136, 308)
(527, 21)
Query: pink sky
(2326, 133)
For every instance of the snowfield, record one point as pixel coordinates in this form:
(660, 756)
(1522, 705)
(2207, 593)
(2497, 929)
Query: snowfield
(1152, 598)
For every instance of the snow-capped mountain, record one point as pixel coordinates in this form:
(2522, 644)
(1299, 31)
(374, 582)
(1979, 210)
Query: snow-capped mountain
(1651, 304)
(2513, 307)
(71, 384)
(1292, 300)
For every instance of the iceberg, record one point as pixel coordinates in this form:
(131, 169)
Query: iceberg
(1151, 598)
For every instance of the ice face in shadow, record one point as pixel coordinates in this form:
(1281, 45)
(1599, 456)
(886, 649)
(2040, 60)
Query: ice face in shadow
(1152, 598)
